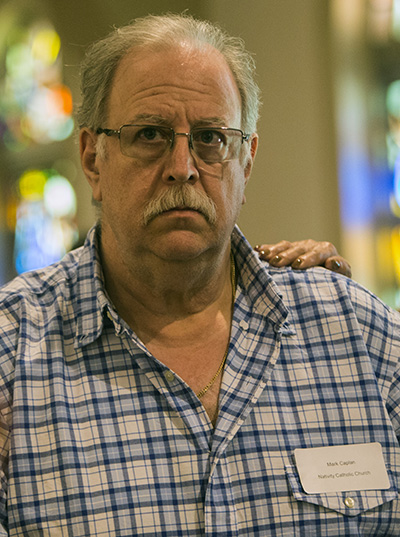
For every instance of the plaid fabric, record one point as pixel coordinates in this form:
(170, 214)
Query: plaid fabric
(97, 440)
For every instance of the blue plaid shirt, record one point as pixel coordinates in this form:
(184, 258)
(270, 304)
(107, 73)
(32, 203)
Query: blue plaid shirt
(98, 438)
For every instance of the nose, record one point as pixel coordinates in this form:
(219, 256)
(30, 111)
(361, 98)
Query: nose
(180, 163)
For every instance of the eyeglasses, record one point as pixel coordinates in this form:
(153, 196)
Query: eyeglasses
(150, 142)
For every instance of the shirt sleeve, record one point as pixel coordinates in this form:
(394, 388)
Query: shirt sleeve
(393, 403)
(4, 447)
(9, 329)
(380, 326)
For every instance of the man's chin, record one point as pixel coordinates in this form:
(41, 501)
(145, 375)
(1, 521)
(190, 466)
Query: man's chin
(180, 245)
(180, 221)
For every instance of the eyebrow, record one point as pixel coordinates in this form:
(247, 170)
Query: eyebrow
(154, 119)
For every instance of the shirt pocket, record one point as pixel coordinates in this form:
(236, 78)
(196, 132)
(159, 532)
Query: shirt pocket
(349, 503)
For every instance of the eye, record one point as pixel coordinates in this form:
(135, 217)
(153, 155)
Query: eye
(209, 137)
(150, 134)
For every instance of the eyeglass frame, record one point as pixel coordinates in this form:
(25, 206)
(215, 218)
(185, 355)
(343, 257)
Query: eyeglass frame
(113, 132)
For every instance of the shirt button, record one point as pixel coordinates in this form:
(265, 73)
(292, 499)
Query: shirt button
(349, 502)
(244, 325)
(169, 376)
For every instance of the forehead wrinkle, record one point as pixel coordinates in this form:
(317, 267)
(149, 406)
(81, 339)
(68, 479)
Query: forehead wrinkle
(210, 122)
(153, 119)
(211, 84)
(143, 90)
(142, 97)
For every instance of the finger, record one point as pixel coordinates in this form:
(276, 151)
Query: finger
(268, 251)
(338, 264)
(315, 254)
(335, 263)
(315, 257)
(290, 256)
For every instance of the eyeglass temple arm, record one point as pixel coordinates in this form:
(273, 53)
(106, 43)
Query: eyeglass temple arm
(107, 132)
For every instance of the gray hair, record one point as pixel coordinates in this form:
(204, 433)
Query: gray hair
(162, 31)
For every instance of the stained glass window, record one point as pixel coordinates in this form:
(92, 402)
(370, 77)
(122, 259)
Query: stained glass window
(35, 105)
(35, 110)
(45, 226)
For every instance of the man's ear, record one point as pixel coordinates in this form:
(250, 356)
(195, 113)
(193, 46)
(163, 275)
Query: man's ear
(250, 158)
(250, 161)
(87, 148)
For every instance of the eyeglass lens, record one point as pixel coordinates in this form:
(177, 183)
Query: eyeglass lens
(150, 142)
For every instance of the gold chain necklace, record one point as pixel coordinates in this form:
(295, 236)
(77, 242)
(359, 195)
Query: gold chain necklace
(222, 364)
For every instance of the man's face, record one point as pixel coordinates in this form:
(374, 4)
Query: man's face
(182, 89)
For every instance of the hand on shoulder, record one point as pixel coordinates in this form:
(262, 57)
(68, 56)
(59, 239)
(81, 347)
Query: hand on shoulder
(304, 254)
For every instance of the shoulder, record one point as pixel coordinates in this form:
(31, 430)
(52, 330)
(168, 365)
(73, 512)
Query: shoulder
(28, 295)
(315, 293)
(338, 308)
(41, 281)
(320, 286)
(26, 303)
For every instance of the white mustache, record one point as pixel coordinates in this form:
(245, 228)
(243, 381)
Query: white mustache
(177, 197)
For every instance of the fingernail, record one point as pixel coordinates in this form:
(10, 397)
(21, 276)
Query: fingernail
(275, 260)
(261, 252)
(336, 265)
(297, 263)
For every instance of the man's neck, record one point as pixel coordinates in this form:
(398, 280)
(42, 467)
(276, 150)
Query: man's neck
(189, 296)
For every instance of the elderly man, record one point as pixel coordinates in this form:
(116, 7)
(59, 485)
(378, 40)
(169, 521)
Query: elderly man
(163, 380)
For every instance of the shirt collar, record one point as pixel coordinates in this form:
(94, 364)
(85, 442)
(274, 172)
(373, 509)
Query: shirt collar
(93, 302)
(262, 291)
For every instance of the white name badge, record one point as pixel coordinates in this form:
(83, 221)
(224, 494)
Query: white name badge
(342, 468)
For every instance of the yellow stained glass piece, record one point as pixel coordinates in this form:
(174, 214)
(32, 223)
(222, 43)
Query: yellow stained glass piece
(31, 184)
(46, 46)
